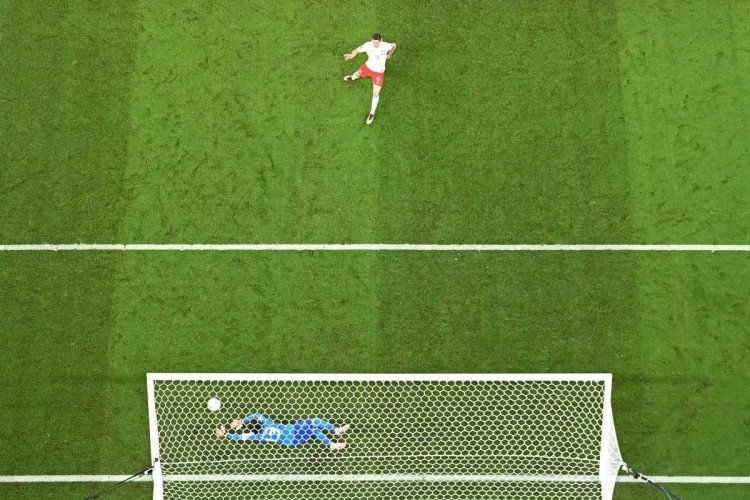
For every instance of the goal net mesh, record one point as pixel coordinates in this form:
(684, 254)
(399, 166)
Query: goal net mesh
(432, 439)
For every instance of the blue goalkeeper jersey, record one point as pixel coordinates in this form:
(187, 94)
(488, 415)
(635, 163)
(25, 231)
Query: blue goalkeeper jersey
(293, 434)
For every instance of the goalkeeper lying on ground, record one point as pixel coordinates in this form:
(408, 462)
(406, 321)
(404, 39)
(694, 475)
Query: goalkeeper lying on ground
(258, 427)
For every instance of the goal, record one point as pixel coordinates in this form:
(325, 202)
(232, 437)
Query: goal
(407, 436)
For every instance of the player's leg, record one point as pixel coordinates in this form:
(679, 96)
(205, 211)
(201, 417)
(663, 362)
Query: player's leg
(341, 429)
(375, 101)
(320, 435)
(301, 432)
(328, 426)
(354, 76)
(295, 434)
(326, 441)
(323, 424)
(316, 426)
(315, 431)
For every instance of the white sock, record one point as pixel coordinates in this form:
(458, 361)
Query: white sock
(354, 76)
(375, 100)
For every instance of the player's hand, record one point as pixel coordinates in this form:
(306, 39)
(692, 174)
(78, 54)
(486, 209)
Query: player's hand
(348, 57)
(219, 432)
(236, 424)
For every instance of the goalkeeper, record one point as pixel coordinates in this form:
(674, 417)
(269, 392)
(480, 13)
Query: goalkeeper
(258, 427)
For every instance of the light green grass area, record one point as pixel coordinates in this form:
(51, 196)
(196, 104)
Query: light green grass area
(500, 122)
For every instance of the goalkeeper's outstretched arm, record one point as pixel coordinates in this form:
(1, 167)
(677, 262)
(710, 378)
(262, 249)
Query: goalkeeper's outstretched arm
(256, 420)
(258, 417)
(221, 433)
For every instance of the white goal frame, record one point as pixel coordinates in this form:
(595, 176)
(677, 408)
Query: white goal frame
(608, 436)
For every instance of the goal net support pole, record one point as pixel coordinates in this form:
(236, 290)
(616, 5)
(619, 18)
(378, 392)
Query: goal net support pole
(156, 472)
(357, 436)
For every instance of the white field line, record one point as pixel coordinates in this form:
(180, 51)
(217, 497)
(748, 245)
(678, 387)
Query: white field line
(620, 479)
(401, 247)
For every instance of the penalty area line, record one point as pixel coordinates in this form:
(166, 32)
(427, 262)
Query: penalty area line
(620, 479)
(397, 247)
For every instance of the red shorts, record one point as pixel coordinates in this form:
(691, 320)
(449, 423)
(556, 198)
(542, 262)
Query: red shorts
(377, 78)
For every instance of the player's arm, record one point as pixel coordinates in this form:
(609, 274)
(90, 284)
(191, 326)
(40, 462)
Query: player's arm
(351, 55)
(264, 420)
(390, 52)
(259, 417)
(237, 423)
(221, 433)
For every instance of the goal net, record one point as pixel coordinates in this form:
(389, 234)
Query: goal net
(361, 436)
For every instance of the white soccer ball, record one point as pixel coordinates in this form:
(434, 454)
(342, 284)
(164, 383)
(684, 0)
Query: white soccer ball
(214, 404)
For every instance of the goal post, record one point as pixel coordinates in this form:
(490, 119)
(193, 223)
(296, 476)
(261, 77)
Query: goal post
(357, 436)
(153, 428)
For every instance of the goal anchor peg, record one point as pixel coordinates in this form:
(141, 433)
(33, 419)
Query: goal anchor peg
(637, 475)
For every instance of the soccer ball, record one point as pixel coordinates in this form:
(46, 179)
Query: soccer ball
(214, 404)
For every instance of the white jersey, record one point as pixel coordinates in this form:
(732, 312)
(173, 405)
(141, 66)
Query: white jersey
(376, 56)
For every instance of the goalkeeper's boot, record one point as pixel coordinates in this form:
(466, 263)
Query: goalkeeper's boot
(370, 118)
(337, 446)
(340, 430)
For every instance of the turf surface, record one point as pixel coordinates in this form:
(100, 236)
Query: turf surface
(526, 122)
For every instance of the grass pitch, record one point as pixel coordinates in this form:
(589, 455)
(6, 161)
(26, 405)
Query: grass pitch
(518, 122)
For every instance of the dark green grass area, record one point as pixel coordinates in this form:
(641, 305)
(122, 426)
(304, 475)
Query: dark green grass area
(56, 335)
(75, 491)
(516, 114)
(65, 84)
(685, 67)
(685, 491)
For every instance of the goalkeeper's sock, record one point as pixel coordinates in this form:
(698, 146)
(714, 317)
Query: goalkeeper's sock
(375, 100)
(340, 430)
